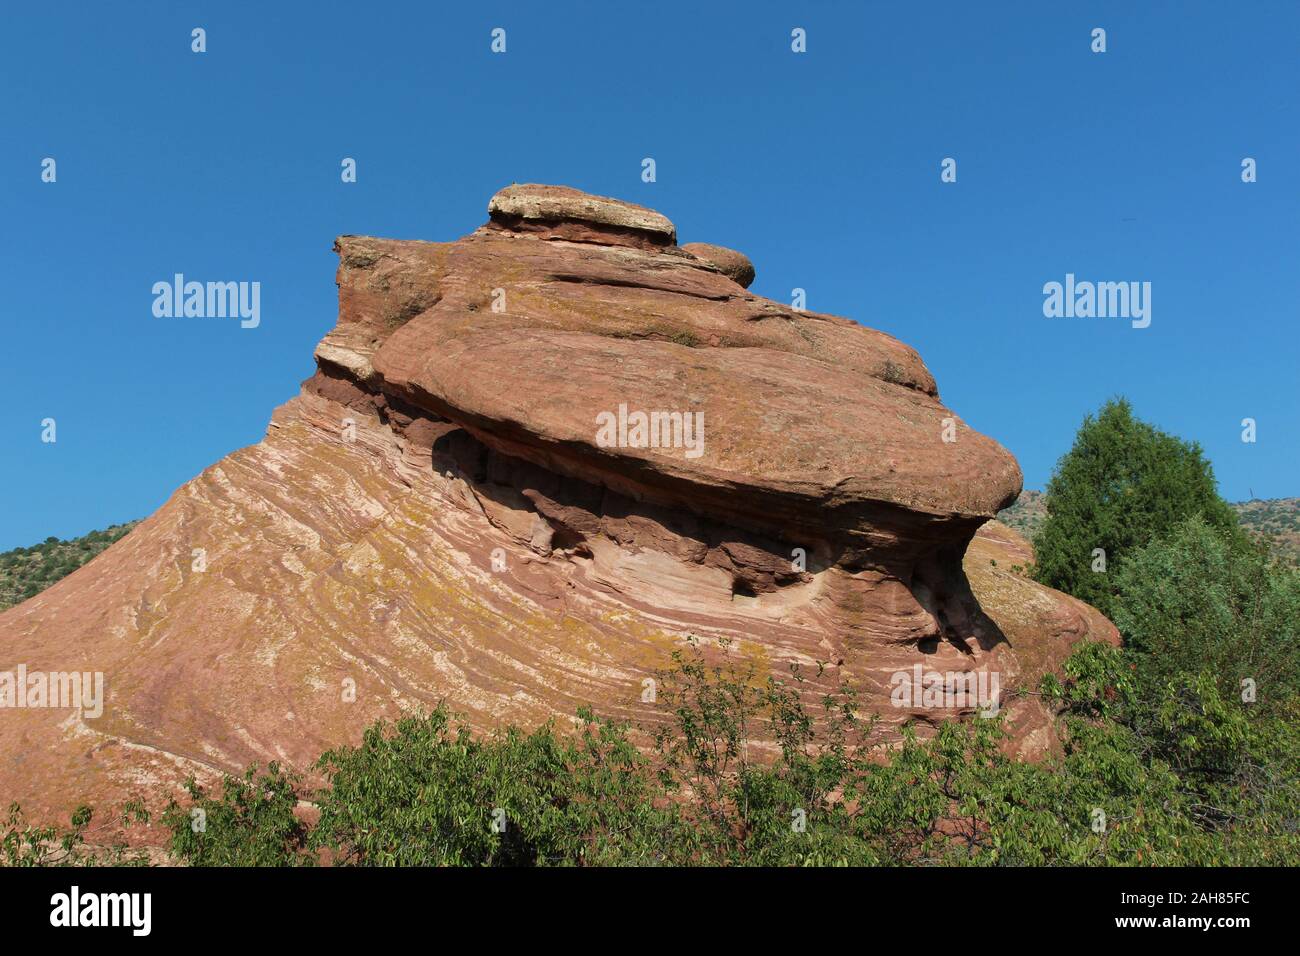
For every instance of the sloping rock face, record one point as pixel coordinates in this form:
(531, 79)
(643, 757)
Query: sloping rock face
(531, 463)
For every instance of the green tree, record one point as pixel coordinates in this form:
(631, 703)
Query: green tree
(1122, 484)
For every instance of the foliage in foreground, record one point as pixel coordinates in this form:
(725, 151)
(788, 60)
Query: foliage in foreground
(23, 844)
(1186, 776)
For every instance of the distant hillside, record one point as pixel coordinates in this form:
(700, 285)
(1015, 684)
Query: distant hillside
(1027, 514)
(1276, 519)
(25, 572)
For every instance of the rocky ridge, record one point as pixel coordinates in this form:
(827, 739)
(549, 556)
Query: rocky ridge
(462, 505)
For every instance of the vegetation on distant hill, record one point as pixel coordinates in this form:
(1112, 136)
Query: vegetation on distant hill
(1027, 514)
(1276, 521)
(25, 572)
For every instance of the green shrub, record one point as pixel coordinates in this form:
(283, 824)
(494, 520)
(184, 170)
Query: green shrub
(424, 792)
(252, 822)
(1198, 600)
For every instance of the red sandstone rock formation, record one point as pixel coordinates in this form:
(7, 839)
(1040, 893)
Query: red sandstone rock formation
(438, 516)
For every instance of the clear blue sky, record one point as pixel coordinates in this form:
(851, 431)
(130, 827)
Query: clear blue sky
(823, 167)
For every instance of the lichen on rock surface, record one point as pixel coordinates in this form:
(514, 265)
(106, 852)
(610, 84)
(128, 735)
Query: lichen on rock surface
(437, 517)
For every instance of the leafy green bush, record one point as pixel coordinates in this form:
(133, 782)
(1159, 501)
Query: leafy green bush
(424, 792)
(252, 823)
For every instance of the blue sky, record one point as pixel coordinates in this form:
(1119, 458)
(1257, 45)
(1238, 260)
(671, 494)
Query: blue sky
(822, 167)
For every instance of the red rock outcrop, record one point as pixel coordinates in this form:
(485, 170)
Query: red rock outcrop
(464, 504)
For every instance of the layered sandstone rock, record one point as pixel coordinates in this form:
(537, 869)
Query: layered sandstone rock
(461, 506)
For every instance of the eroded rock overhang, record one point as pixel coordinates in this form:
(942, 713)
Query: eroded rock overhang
(567, 314)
